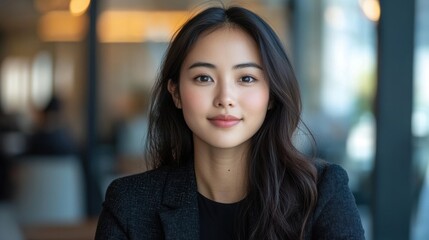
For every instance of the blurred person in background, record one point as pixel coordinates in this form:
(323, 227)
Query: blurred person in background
(9, 148)
(51, 136)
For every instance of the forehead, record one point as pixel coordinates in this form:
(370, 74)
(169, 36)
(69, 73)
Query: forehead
(229, 43)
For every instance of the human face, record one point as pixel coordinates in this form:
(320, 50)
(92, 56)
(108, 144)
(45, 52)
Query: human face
(223, 91)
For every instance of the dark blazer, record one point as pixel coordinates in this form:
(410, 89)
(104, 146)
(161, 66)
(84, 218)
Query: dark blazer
(162, 204)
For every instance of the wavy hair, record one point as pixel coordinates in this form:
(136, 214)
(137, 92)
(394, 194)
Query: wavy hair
(282, 188)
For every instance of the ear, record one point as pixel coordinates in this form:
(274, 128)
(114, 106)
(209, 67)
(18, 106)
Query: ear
(172, 88)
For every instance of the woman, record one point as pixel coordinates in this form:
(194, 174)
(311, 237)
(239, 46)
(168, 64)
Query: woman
(223, 113)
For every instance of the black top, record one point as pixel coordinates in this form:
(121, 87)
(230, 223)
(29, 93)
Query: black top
(163, 204)
(217, 220)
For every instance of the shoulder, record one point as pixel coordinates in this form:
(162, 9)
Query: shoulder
(134, 205)
(127, 193)
(336, 215)
(147, 189)
(129, 202)
(133, 184)
(330, 175)
(140, 180)
(332, 180)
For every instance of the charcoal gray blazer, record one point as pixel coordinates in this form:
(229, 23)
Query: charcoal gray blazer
(162, 204)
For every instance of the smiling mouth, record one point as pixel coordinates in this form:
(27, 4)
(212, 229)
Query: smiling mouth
(224, 121)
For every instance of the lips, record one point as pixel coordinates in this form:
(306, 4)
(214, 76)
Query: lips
(224, 121)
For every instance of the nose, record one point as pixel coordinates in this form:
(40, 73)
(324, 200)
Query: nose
(224, 96)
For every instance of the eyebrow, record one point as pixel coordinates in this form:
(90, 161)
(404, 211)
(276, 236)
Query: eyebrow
(238, 66)
(246, 65)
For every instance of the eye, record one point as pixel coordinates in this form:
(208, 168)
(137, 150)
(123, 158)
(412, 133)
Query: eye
(203, 78)
(247, 79)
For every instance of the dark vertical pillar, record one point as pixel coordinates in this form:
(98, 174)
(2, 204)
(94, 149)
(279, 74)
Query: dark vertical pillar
(307, 48)
(392, 176)
(93, 191)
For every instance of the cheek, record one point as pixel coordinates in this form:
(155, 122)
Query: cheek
(257, 100)
(192, 101)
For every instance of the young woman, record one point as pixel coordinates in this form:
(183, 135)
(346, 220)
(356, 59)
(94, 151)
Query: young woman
(222, 117)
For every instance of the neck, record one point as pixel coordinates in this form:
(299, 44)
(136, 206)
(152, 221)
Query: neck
(221, 173)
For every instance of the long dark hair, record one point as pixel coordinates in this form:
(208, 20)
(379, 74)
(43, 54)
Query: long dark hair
(282, 188)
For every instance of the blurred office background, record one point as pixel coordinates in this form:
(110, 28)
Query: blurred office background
(75, 77)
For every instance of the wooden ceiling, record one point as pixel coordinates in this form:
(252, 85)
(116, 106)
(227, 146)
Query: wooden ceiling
(16, 15)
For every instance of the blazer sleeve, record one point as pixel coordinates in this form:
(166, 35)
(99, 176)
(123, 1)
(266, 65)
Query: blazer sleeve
(111, 225)
(336, 215)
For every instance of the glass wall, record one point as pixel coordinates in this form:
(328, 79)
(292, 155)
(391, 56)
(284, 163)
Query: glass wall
(420, 123)
(337, 67)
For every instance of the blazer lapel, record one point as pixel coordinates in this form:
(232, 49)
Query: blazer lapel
(179, 213)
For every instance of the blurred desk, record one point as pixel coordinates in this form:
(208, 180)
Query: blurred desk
(49, 190)
(80, 231)
(9, 228)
